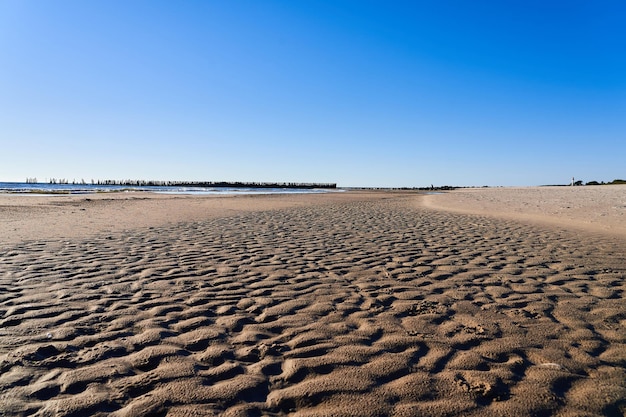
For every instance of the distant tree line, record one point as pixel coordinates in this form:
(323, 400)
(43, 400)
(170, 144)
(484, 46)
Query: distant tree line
(614, 182)
(582, 183)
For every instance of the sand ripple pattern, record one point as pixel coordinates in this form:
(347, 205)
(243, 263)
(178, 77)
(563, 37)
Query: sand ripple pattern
(364, 308)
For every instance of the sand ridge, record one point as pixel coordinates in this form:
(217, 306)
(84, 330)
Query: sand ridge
(361, 306)
(39, 217)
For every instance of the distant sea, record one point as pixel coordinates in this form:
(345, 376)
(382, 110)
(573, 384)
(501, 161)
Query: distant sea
(62, 189)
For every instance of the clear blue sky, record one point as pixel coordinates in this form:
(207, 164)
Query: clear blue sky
(362, 93)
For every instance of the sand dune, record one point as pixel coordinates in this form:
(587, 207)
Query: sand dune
(344, 304)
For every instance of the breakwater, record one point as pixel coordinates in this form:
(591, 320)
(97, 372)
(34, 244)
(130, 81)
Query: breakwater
(200, 184)
(216, 184)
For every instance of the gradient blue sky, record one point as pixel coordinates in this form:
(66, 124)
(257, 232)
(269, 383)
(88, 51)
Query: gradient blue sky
(362, 93)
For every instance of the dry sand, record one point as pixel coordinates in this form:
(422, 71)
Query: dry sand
(601, 209)
(363, 304)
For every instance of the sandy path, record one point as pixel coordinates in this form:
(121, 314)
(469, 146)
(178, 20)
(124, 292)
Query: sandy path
(599, 209)
(356, 305)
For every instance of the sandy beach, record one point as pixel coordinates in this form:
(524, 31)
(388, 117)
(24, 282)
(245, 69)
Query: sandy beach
(484, 302)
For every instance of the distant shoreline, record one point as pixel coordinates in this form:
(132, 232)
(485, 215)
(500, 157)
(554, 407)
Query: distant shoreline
(167, 187)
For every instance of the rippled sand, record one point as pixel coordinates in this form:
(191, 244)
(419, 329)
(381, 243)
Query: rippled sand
(343, 304)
